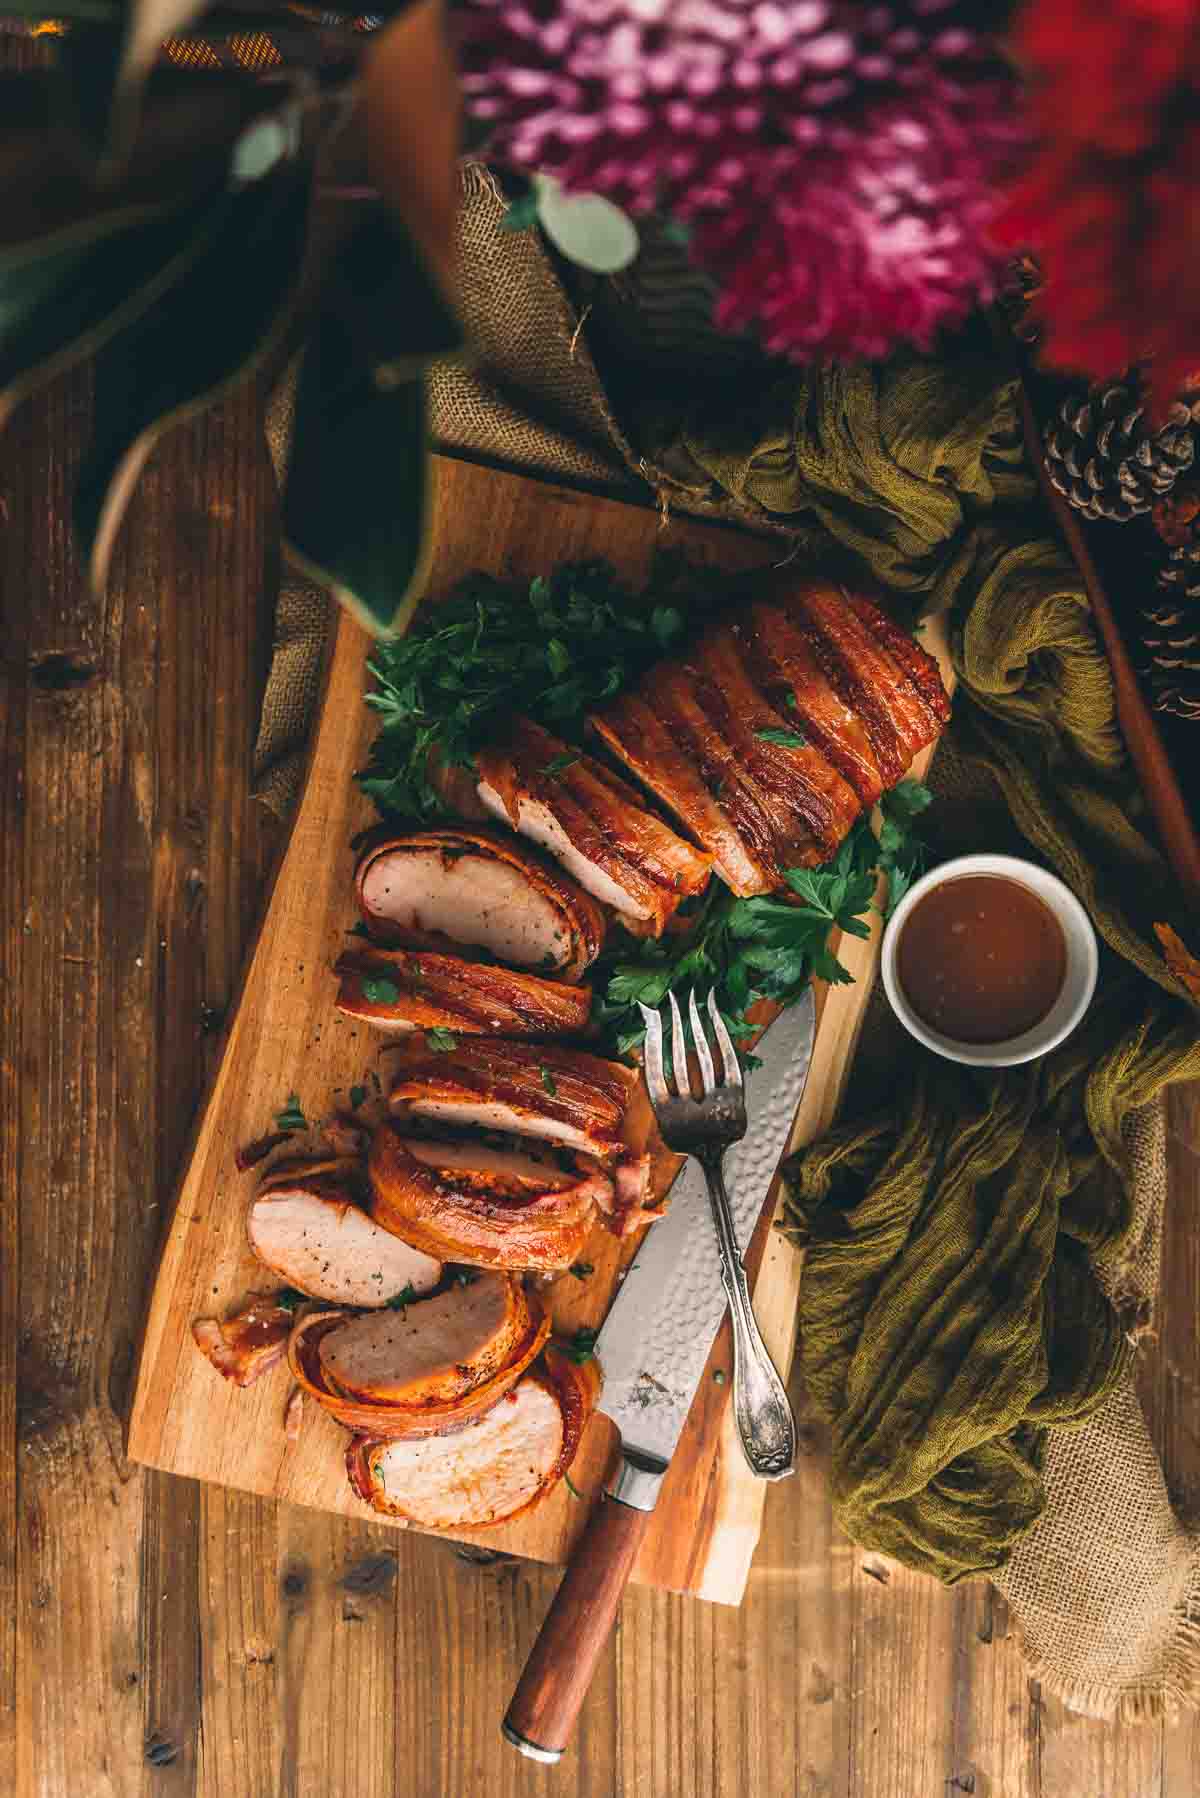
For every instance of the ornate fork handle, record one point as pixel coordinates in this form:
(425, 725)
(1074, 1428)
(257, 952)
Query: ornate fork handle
(764, 1416)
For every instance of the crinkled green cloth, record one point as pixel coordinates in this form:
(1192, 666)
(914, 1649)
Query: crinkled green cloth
(949, 1311)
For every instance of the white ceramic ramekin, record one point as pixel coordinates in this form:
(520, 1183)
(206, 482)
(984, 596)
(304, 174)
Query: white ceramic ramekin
(1079, 982)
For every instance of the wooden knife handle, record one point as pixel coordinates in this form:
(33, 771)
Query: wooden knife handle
(559, 1670)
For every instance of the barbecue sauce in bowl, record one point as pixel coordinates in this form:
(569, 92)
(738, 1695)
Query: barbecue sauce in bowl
(981, 958)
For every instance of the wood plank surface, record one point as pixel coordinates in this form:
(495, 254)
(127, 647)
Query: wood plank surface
(157, 1636)
(286, 1037)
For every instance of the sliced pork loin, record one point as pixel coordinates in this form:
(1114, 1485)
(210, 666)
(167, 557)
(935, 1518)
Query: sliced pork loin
(426, 1367)
(487, 1207)
(591, 821)
(316, 1237)
(438, 889)
(404, 989)
(560, 1095)
(500, 1465)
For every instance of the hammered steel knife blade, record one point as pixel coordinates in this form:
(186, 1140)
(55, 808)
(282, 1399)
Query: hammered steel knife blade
(652, 1350)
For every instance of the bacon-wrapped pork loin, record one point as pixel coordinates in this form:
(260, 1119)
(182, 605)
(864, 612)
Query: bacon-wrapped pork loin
(500, 1465)
(455, 888)
(405, 989)
(488, 1207)
(591, 821)
(771, 735)
(308, 1228)
(427, 1367)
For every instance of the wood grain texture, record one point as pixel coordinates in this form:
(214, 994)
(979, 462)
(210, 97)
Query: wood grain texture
(286, 1037)
(384, 1674)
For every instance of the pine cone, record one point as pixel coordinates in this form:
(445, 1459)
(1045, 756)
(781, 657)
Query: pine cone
(1171, 628)
(1106, 457)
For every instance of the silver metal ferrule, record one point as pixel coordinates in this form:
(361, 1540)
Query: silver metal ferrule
(636, 1480)
(530, 1749)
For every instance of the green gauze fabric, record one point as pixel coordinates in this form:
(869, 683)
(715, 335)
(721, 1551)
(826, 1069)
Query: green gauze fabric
(949, 1311)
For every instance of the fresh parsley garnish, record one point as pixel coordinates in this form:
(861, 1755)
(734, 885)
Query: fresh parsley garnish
(582, 1269)
(357, 1096)
(399, 1301)
(289, 1298)
(787, 739)
(558, 764)
(291, 1117)
(548, 1080)
(581, 1346)
(440, 1040)
(358, 929)
(563, 642)
(902, 854)
(379, 990)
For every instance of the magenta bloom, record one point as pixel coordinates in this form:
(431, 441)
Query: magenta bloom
(836, 162)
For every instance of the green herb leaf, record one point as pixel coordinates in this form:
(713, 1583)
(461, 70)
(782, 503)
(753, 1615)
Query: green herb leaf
(289, 1298)
(787, 739)
(358, 929)
(548, 1081)
(466, 1276)
(440, 1040)
(582, 1269)
(291, 1117)
(358, 1096)
(558, 764)
(581, 1346)
(399, 1301)
(379, 990)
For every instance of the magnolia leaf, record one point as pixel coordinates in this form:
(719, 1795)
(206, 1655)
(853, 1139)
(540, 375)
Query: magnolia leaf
(586, 228)
(411, 123)
(103, 67)
(201, 338)
(62, 298)
(356, 500)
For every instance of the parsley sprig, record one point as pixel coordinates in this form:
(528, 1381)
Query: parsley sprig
(565, 642)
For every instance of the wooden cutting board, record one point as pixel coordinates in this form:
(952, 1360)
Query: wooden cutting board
(286, 1037)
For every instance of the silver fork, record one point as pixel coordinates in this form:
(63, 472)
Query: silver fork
(705, 1128)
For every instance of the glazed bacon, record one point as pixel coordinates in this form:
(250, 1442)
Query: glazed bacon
(247, 1344)
(426, 991)
(486, 1207)
(595, 824)
(450, 889)
(769, 738)
(426, 1368)
(498, 1467)
(542, 1090)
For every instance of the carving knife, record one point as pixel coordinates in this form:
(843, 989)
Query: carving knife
(652, 1351)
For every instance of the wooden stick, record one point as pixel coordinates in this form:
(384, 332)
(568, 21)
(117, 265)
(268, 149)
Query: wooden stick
(1143, 739)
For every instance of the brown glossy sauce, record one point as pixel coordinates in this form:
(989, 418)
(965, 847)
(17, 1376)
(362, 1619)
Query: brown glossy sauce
(981, 958)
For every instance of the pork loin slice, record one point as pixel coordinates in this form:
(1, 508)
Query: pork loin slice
(632, 729)
(592, 822)
(498, 1466)
(404, 990)
(476, 1206)
(560, 1095)
(785, 664)
(504, 1173)
(481, 1474)
(920, 667)
(436, 889)
(327, 1247)
(440, 1347)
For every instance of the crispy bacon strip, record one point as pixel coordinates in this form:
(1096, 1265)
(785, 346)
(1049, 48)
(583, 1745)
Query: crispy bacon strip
(442, 992)
(247, 1344)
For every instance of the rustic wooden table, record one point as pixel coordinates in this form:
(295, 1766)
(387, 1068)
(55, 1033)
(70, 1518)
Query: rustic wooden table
(160, 1638)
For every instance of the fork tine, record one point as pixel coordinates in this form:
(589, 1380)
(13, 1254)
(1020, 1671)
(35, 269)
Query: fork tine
(730, 1065)
(679, 1066)
(707, 1074)
(655, 1079)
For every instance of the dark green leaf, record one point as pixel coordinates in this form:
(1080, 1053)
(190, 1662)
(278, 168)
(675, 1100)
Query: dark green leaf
(290, 1298)
(291, 1117)
(400, 1300)
(548, 1081)
(379, 990)
(787, 739)
(441, 1041)
(559, 764)
(558, 656)
(582, 1269)
(358, 1096)
(905, 801)
(581, 1346)
(355, 506)
(228, 309)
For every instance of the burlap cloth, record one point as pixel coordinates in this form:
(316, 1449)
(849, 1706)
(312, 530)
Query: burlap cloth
(1106, 1585)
